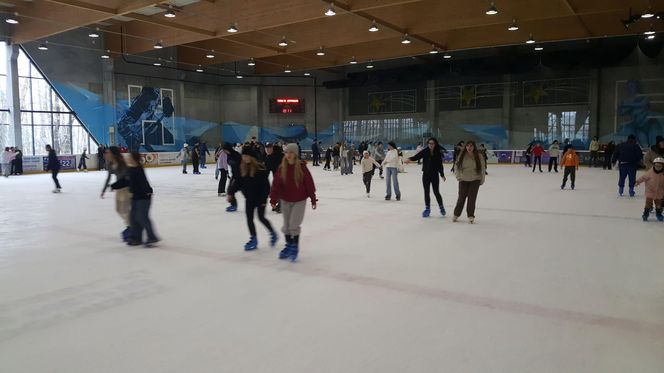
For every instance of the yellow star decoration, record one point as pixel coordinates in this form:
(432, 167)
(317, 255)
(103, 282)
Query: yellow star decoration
(537, 93)
(376, 103)
(468, 94)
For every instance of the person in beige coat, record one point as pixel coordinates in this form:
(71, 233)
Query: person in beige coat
(116, 165)
(470, 171)
(654, 180)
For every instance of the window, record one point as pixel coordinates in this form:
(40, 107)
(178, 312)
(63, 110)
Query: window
(45, 117)
(408, 132)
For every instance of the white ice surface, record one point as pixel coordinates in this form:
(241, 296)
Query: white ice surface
(546, 281)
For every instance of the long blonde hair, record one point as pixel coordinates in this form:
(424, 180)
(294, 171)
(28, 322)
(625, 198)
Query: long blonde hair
(283, 169)
(250, 168)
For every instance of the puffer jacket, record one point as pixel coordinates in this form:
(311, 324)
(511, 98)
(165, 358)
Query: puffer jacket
(654, 184)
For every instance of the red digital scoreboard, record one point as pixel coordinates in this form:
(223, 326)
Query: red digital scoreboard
(287, 105)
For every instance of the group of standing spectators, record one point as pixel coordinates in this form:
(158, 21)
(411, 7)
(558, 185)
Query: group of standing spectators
(11, 161)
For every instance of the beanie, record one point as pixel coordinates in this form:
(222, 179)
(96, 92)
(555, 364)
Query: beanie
(249, 150)
(292, 148)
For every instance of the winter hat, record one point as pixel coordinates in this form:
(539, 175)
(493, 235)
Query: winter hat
(392, 144)
(186, 145)
(658, 160)
(249, 150)
(365, 152)
(292, 148)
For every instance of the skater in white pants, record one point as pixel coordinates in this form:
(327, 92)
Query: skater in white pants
(292, 185)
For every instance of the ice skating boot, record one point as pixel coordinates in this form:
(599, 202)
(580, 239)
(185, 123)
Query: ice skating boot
(295, 248)
(562, 187)
(455, 219)
(285, 253)
(231, 208)
(126, 234)
(621, 190)
(273, 238)
(646, 214)
(426, 212)
(631, 192)
(442, 210)
(252, 244)
(658, 214)
(471, 220)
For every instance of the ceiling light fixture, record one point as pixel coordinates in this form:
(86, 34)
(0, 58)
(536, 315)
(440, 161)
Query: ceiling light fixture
(93, 34)
(106, 55)
(650, 37)
(648, 13)
(513, 26)
(538, 48)
(492, 11)
(239, 76)
(320, 52)
(374, 27)
(170, 14)
(232, 29)
(158, 45)
(370, 64)
(158, 63)
(199, 69)
(353, 61)
(651, 31)
(433, 50)
(330, 11)
(406, 39)
(210, 54)
(283, 42)
(251, 62)
(447, 56)
(530, 40)
(307, 74)
(12, 20)
(287, 70)
(43, 46)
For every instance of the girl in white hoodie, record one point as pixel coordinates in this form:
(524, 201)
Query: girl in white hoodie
(391, 165)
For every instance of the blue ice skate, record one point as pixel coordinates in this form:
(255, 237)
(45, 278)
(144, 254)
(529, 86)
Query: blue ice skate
(426, 212)
(252, 244)
(442, 210)
(273, 238)
(231, 208)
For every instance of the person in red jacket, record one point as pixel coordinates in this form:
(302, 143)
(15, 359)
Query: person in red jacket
(292, 185)
(538, 150)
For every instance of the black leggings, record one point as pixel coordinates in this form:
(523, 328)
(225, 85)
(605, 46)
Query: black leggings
(366, 179)
(553, 162)
(249, 207)
(538, 160)
(431, 181)
(223, 174)
(54, 175)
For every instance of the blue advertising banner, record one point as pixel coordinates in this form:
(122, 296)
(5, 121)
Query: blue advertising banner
(67, 162)
(504, 156)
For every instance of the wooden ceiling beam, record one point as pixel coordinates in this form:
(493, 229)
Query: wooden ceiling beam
(571, 8)
(84, 6)
(173, 25)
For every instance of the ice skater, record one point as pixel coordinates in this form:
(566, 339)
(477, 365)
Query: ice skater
(183, 156)
(116, 165)
(570, 164)
(391, 165)
(292, 185)
(196, 159)
(367, 164)
(221, 170)
(204, 152)
(53, 165)
(470, 172)
(554, 153)
(527, 153)
(485, 155)
(255, 186)
(5, 162)
(654, 180)
(82, 165)
(328, 158)
(273, 158)
(379, 155)
(629, 156)
(594, 151)
(458, 148)
(537, 152)
(234, 159)
(141, 199)
(432, 169)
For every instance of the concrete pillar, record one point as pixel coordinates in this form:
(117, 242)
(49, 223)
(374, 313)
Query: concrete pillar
(594, 103)
(508, 95)
(108, 96)
(13, 101)
(433, 112)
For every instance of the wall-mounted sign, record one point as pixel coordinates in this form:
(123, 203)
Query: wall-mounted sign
(287, 105)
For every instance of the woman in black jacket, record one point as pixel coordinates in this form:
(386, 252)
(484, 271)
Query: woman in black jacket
(141, 199)
(255, 186)
(432, 168)
(53, 165)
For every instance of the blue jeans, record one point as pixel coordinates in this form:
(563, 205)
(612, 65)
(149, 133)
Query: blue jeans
(391, 175)
(627, 170)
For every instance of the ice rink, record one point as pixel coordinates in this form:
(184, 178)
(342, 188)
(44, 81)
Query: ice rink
(546, 281)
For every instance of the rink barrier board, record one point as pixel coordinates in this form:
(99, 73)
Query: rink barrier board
(37, 164)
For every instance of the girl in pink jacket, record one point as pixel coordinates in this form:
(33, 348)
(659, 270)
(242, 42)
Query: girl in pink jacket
(654, 180)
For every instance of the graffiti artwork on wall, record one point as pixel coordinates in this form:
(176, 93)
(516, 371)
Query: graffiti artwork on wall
(149, 119)
(640, 110)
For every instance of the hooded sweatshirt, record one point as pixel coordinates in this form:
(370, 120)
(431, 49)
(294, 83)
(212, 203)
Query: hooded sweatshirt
(288, 190)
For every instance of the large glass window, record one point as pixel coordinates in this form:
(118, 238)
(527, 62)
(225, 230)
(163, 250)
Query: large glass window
(5, 136)
(45, 117)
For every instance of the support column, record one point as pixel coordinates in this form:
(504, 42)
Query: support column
(595, 81)
(108, 81)
(13, 101)
(508, 94)
(432, 107)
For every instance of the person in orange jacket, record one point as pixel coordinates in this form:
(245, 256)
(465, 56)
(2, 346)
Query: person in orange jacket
(570, 163)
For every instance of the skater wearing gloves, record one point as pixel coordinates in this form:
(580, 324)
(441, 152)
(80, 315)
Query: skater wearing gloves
(654, 180)
(470, 172)
(53, 166)
(116, 165)
(141, 199)
(629, 156)
(292, 185)
(554, 152)
(184, 157)
(82, 164)
(570, 164)
(432, 168)
(391, 164)
(367, 164)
